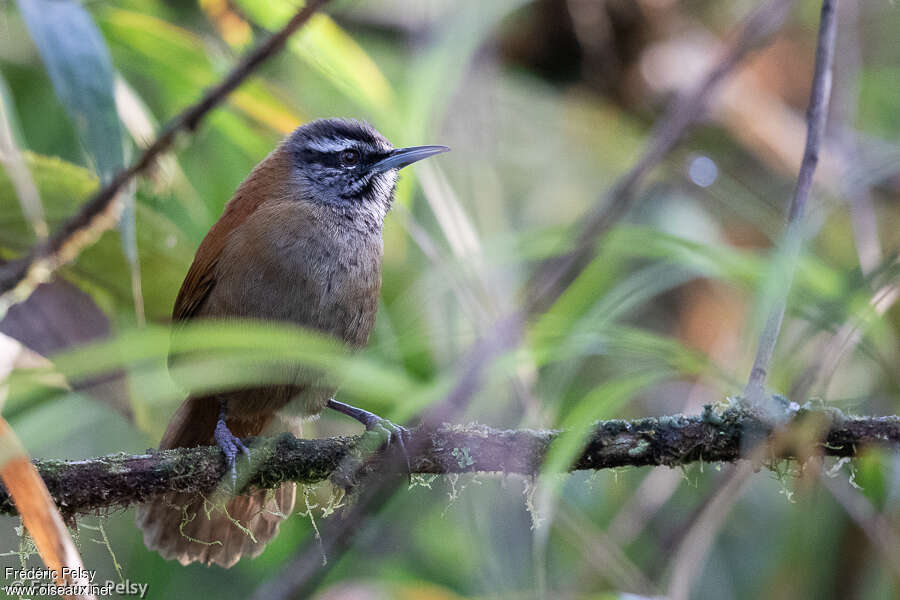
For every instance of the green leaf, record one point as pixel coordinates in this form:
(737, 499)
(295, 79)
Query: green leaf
(437, 71)
(170, 67)
(101, 269)
(720, 261)
(79, 66)
(326, 47)
(175, 59)
(213, 356)
(11, 158)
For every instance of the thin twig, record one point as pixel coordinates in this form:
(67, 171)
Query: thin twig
(856, 191)
(692, 552)
(19, 277)
(816, 118)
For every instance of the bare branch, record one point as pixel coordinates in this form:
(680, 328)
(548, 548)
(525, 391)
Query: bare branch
(120, 480)
(816, 117)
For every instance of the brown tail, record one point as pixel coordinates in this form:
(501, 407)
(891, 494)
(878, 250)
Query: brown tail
(188, 527)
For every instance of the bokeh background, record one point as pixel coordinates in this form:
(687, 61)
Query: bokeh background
(544, 104)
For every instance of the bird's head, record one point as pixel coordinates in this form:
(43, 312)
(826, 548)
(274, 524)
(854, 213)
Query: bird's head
(347, 165)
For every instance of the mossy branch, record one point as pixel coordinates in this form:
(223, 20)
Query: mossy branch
(119, 480)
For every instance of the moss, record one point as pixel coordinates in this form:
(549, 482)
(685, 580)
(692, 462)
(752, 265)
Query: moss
(673, 421)
(709, 415)
(52, 468)
(118, 467)
(462, 457)
(640, 449)
(612, 427)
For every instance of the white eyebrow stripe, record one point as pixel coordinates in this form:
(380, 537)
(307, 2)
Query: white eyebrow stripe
(328, 145)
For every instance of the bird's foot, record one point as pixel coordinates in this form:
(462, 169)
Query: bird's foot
(230, 445)
(388, 432)
(380, 431)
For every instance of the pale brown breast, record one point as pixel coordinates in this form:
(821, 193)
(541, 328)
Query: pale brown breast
(291, 264)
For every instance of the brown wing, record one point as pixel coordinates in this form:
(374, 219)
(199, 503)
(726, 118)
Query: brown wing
(266, 180)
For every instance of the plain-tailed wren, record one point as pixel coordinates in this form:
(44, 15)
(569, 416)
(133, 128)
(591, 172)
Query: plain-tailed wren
(300, 242)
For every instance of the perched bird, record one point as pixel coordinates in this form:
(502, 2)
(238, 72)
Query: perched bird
(300, 242)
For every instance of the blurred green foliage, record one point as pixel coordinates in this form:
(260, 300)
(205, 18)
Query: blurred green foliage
(662, 320)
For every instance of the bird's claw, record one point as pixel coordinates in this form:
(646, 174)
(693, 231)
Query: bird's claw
(230, 445)
(388, 432)
(380, 432)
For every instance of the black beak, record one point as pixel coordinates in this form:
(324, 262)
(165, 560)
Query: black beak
(402, 157)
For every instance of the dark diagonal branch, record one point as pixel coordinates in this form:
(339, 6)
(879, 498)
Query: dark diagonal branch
(121, 480)
(19, 277)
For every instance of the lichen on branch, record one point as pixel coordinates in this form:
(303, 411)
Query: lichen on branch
(120, 480)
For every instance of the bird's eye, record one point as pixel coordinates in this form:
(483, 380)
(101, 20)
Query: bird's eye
(350, 158)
